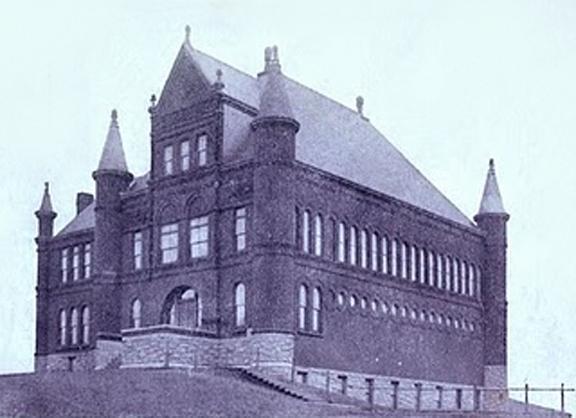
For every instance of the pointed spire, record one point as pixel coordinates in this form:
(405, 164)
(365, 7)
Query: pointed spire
(274, 101)
(113, 157)
(46, 205)
(187, 36)
(491, 200)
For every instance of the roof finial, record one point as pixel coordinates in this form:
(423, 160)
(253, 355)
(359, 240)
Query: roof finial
(272, 62)
(219, 84)
(491, 165)
(360, 105)
(152, 103)
(188, 30)
(46, 187)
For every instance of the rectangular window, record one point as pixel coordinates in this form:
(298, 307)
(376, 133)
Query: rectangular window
(185, 155)
(306, 231)
(374, 251)
(169, 243)
(137, 250)
(199, 237)
(343, 380)
(341, 242)
(240, 228)
(168, 160)
(64, 265)
(87, 260)
(202, 150)
(75, 263)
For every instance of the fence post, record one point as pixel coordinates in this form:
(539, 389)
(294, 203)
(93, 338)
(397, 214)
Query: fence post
(328, 386)
(562, 397)
(526, 397)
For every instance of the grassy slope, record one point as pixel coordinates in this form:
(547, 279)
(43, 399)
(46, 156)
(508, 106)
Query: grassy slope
(131, 393)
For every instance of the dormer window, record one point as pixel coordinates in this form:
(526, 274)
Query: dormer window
(202, 150)
(168, 160)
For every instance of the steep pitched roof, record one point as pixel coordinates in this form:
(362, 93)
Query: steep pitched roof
(46, 204)
(113, 157)
(333, 138)
(491, 199)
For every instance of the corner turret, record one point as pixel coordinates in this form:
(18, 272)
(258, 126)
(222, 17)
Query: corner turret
(492, 219)
(46, 215)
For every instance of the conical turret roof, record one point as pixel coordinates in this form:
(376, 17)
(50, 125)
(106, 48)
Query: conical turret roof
(113, 157)
(491, 198)
(274, 101)
(46, 205)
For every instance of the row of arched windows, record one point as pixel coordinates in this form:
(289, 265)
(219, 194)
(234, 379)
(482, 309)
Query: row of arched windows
(377, 252)
(382, 308)
(74, 326)
(309, 309)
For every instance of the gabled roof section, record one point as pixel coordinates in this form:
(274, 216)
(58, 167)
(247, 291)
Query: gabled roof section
(333, 138)
(83, 221)
(491, 199)
(113, 157)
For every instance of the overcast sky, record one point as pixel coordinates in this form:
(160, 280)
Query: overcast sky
(450, 83)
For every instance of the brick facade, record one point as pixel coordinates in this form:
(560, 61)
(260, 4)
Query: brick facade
(263, 173)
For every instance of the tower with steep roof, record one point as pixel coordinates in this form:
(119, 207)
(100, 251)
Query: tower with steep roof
(45, 215)
(112, 179)
(492, 219)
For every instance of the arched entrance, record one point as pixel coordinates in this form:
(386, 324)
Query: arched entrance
(182, 308)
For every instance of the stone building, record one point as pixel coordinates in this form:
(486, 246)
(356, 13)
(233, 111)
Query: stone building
(276, 227)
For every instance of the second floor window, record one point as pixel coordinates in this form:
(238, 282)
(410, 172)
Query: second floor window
(199, 237)
(76, 263)
(64, 265)
(341, 242)
(87, 260)
(306, 231)
(137, 250)
(168, 160)
(185, 155)
(318, 235)
(202, 150)
(169, 243)
(240, 228)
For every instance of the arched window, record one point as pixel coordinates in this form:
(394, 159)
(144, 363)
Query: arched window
(183, 308)
(341, 242)
(63, 326)
(394, 310)
(341, 298)
(431, 268)
(374, 305)
(302, 306)
(364, 249)
(240, 305)
(456, 275)
(464, 277)
(432, 317)
(353, 301)
(318, 230)
(363, 303)
(385, 308)
(422, 265)
(404, 260)
(439, 272)
(316, 309)
(384, 254)
(471, 279)
(136, 314)
(353, 245)
(74, 322)
(374, 251)
(413, 252)
(394, 257)
(306, 231)
(85, 325)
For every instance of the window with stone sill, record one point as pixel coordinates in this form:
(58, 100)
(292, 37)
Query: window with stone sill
(240, 305)
(240, 229)
(87, 260)
(185, 155)
(85, 325)
(202, 150)
(168, 159)
(199, 237)
(169, 243)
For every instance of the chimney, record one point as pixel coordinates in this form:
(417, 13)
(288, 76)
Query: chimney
(83, 200)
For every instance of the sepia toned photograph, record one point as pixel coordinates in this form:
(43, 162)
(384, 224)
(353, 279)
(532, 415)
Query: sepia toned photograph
(253, 208)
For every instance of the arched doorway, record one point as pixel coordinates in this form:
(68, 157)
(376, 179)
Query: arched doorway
(182, 308)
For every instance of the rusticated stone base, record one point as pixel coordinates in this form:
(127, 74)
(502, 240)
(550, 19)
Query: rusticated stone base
(495, 377)
(166, 346)
(70, 361)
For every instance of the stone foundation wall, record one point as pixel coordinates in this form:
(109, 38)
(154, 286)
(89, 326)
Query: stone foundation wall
(74, 361)
(169, 346)
(495, 377)
(383, 392)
